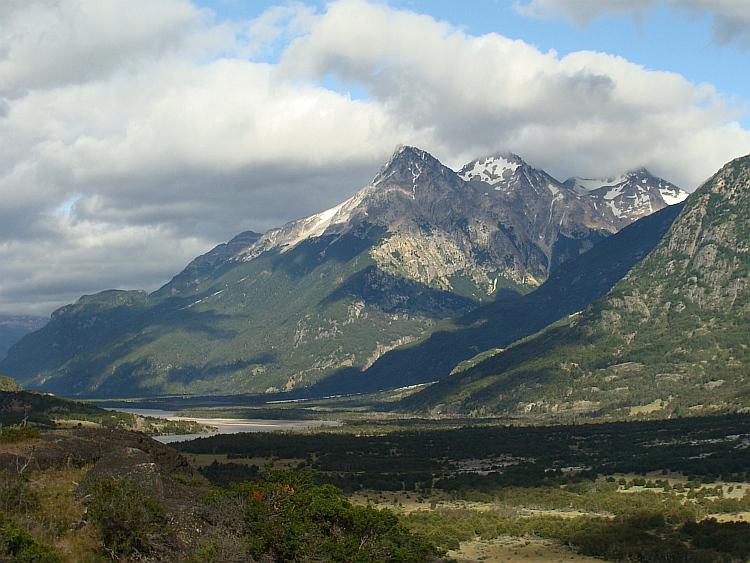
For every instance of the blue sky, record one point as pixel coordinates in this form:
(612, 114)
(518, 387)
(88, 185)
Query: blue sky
(138, 134)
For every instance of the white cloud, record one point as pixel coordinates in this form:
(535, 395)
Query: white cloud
(48, 43)
(277, 24)
(135, 134)
(586, 113)
(731, 17)
(69, 257)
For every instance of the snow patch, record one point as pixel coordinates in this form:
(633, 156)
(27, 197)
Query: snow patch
(490, 170)
(616, 211)
(613, 193)
(591, 184)
(671, 197)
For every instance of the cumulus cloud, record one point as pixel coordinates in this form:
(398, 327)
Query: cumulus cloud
(69, 257)
(136, 134)
(158, 143)
(731, 17)
(586, 112)
(48, 43)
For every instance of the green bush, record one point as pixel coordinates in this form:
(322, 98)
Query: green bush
(287, 518)
(14, 434)
(127, 520)
(15, 494)
(18, 545)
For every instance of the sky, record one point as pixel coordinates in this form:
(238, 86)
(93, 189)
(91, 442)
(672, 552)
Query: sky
(136, 135)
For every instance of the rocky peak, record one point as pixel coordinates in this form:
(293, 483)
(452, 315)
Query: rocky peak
(712, 235)
(627, 197)
(410, 167)
(518, 184)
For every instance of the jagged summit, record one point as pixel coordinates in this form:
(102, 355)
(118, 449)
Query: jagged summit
(629, 196)
(410, 167)
(410, 171)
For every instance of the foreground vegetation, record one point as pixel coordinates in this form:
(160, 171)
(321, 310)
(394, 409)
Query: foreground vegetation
(640, 491)
(649, 491)
(47, 517)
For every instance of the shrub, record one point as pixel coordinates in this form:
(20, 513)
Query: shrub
(15, 494)
(14, 434)
(287, 518)
(18, 545)
(127, 520)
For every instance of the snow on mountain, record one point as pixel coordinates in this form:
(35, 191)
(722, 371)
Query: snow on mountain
(520, 190)
(672, 197)
(493, 170)
(629, 196)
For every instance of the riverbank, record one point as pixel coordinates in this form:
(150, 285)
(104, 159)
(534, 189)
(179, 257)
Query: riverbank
(227, 425)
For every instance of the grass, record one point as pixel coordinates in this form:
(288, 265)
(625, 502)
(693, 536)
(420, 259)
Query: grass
(59, 521)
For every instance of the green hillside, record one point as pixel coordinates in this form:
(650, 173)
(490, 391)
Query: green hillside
(670, 338)
(9, 384)
(268, 324)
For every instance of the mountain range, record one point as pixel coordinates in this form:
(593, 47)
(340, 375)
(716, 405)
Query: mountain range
(670, 338)
(328, 295)
(14, 327)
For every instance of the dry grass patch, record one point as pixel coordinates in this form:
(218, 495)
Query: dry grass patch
(59, 520)
(527, 550)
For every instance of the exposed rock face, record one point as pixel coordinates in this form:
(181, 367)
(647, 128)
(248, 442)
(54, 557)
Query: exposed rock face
(704, 259)
(479, 224)
(126, 464)
(569, 289)
(81, 446)
(152, 467)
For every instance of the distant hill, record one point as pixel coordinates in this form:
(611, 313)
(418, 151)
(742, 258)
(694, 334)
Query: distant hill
(13, 328)
(9, 384)
(671, 338)
(331, 292)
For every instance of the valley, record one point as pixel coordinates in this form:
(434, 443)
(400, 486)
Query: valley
(478, 490)
(486, 491)
(374, 281)
(483, 386)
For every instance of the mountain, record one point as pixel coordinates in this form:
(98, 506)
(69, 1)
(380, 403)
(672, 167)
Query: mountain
(630, 196)
(670, 338)
(12, 328)
(326, 293)
(454, 232)
(456, 343)
(619, 200)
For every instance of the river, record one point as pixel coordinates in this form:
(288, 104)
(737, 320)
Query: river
(228, 425)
